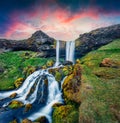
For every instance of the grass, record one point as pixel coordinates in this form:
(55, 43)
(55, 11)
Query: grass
(14, 63)
(102, 102)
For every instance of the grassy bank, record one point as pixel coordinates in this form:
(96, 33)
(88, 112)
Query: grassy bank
(101, 86)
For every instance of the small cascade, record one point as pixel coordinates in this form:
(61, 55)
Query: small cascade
(57, 52)
(70, 49)
(37, 92)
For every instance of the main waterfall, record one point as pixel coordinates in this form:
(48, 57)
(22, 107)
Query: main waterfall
(39, 89)
(57, 53)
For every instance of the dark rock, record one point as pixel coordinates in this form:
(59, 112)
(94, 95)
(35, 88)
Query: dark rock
(1, 69)
(13, 95)
(96, 38)
(68, 63)
(42, 119)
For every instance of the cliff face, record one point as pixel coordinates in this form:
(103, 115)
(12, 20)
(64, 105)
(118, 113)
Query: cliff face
(96, 38)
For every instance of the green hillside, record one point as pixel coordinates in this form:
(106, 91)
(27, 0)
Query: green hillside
(100, 91)
(16, 65)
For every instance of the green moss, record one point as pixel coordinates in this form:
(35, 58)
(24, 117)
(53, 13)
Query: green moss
(58, 76)
(65, 114)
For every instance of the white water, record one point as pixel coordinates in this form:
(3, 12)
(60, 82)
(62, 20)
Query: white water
(70, 47)
(57, 52)
(54, 96)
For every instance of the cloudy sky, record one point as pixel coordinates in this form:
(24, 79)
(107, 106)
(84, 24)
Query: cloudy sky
(61, 19)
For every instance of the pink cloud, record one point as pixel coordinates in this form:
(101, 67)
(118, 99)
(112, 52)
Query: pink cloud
(58, 23)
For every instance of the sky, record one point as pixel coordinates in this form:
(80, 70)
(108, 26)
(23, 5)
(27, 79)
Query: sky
(60, 19)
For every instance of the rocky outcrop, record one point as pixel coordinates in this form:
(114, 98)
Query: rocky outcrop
(39, 42)
(96, 38)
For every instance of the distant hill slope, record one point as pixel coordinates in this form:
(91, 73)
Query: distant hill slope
(96, 38)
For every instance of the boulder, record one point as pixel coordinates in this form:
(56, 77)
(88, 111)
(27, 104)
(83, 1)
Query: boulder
(15, 104)
(18, 82)
(13, 95)
(107, 62)
(28, 107)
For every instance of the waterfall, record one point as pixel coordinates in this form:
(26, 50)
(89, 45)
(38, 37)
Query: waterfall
(43, 96)
(39, 89)
(70, 48)
(57, 52)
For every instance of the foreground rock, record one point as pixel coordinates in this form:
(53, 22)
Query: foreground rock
(96, 38)
(15, 104)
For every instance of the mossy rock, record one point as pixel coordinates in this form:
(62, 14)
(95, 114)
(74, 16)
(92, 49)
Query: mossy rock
(71, 85)
(58, 76)
(50, 63)
(29, 70)
(26, 121)
(108, 62)
(57, 105)
(67, 70)
(15, 104)
(65, 114)
(107, 73)
(28, 107)
(13, 95)
(18, 82)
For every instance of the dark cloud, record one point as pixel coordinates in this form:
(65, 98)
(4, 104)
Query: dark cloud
(106, 5)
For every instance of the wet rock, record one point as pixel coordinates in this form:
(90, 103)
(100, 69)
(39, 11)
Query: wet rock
(15, 104)
(42, 119)
(13, 95)
(18, 82)
(57, 105)
(26, 121)
(28, 107)
(67, 63)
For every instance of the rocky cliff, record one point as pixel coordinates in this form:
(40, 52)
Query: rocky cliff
(45, 45)
(39, 41)
(96, 38)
